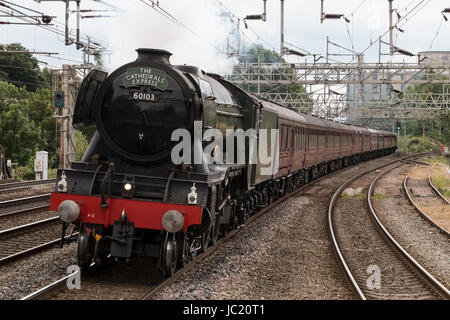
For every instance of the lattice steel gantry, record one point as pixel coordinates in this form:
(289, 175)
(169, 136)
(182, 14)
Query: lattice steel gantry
(333, 104)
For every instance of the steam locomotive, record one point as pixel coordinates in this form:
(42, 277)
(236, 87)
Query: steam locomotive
(128, 195)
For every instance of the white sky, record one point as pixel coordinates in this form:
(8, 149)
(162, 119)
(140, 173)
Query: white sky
(141, 26)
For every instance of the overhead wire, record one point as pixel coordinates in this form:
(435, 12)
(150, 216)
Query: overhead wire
(401, 19)
(437, 33)
(235, 17)
(407, 20)
(39, 24)
(172, 18)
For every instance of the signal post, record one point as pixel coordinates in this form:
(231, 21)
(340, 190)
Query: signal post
(64, 102)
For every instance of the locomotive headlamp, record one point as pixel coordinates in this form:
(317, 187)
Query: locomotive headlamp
(68, 211)
(172, 221)
(128, 186)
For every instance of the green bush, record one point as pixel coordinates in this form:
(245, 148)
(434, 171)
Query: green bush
(25, 173)
(52, 173)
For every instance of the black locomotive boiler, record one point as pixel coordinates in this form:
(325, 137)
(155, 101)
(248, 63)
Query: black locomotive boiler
(129, 198)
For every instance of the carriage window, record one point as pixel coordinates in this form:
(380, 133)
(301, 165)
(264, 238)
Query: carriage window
(286, 137)
(304, 138)
(294, 142)
(281, 137)
(319, 138)
(312, 140)
(293, 138)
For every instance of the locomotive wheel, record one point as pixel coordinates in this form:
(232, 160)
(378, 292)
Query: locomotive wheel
(184, 255)
(170, 255)
(84, 254)
(206, 236)
(215, 231)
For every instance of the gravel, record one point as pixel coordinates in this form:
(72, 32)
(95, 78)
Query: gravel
(365, 250)
(285, 254)
(422, 240)
(424, 196)
(22, 277)
(24, 218)
(32, 191)
(115, 281)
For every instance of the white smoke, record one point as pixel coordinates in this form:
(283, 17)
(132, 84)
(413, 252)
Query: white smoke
(140, 26)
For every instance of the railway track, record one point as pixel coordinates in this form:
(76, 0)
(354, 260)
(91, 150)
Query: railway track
(439, 194)
(13, 187)
(4, 181)
(24, 206)
(418, 208)
(110, 283)
(35, 208)
(29, 238)
(374, 262)
(22, 184)
(24, 201)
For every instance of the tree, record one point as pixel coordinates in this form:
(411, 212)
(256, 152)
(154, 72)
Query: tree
(437, 128)
(41, 113)
(26, 122)
(19, 135)
(81, 144)
(265, 55)
(270, 56)
(21, 69)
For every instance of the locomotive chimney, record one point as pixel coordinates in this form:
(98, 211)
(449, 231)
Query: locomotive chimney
(153, 55)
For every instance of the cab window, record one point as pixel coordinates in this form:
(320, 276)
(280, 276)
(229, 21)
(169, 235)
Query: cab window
(206, 89)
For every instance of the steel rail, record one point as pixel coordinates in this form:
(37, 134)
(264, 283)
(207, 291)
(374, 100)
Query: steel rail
(430, 182)
(165, 283)
(26, 183)
(13, 190)
(8, 181)
(35, 248)
(8, 233)
(47, 289)
(21, 201)
(420, 211)
(40, 208)
(27, 226)
(418, 267)
(331, 227)
(41, 293)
